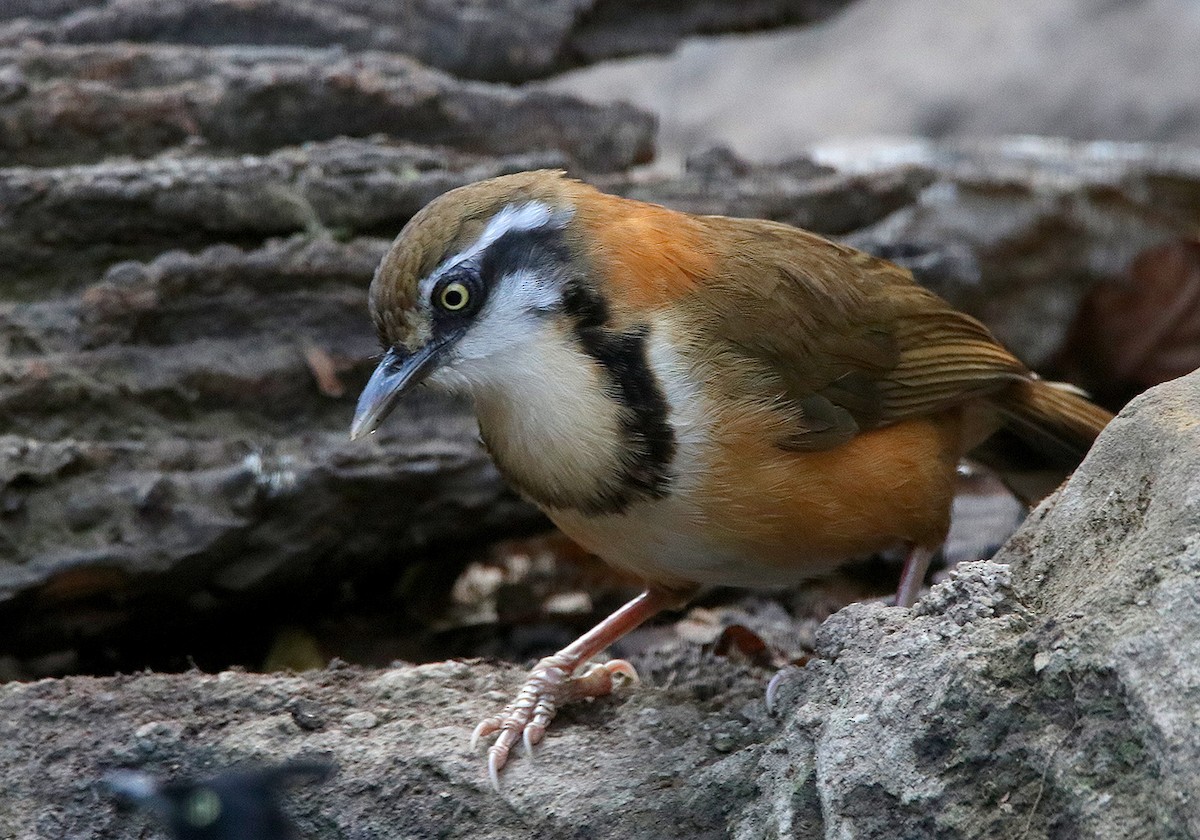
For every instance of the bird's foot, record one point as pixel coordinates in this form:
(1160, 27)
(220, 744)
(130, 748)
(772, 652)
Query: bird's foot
(550, 684)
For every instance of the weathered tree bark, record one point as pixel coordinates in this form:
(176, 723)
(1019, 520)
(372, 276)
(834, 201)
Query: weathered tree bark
(62, 227)
(63, 105)
(498, 40)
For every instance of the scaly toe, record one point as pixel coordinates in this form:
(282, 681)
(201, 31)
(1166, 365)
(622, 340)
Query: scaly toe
(485, 728)
(525, 720)
(597, 681)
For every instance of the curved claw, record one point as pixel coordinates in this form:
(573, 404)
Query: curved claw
(486, 727)
(494, 765)
(535, 730)
(498, 752)
(527, 737)
(622, 668)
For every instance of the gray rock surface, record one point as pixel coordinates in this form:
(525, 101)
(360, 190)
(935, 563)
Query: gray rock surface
(506, 40)
(1060, 703)
(1053, 697)
(624, 767)
(166, 453)
(1017, 230)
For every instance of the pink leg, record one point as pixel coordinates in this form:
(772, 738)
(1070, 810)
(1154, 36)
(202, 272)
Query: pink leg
(916, 564)
(552, 681)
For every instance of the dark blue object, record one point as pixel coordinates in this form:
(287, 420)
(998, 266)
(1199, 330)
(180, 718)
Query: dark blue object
(239, 804)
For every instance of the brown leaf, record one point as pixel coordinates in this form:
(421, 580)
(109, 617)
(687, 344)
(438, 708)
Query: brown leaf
(80, 583)
(742, 642)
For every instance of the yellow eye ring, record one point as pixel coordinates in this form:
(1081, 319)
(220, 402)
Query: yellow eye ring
(454, 296)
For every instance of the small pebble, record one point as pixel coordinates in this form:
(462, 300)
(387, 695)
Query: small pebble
(723, 742)
(360, 720)
(159, 732)
(307, 714)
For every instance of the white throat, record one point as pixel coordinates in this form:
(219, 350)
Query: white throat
(543, 411)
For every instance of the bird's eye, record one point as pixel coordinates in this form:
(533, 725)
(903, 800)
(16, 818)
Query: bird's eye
(454, 296)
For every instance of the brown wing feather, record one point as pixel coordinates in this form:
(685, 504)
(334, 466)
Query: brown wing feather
(848, 341)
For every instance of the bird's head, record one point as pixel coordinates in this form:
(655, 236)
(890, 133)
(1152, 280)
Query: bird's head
(466, 281)
(525, 275)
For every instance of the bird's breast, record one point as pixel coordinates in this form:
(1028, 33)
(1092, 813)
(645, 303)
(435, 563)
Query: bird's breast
(726, 516)
(734, 507)
(750, 514)
(742, 511)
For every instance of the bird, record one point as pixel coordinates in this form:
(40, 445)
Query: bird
(241, 803)
(700, 400)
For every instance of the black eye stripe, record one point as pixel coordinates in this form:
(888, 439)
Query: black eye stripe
(513, 250)
(521, 248)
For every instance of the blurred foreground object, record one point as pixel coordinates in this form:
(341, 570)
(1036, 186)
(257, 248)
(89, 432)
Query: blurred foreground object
(241, 804)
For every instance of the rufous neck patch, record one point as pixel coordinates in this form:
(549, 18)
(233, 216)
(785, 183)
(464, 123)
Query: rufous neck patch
(651, 256)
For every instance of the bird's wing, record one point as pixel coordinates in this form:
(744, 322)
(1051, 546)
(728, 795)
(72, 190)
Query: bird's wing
(839, 340)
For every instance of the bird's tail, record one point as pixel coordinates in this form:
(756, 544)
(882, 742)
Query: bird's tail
(1048, 428)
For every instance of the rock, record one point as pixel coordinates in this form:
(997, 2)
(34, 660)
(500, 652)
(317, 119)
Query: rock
(1017, 230)
(1057, 703)
(1051, 697)
(500, 40)
(1114, 562)
(798, 192)
(167, 457)
(400, 738)
(78, 104)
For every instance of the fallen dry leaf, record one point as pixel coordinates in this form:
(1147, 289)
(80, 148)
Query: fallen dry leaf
(739, 641)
